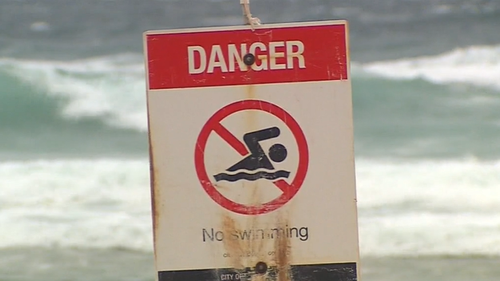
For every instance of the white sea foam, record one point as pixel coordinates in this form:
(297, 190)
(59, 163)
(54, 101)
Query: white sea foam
(405, 208)
(429, 208)
(102, 203)
(111, 88)
(475, 65)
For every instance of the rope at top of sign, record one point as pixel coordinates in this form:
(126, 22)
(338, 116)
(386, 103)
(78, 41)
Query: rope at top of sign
(247, 16)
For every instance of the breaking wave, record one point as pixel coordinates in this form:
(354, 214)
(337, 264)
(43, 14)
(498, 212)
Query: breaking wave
(475, 65)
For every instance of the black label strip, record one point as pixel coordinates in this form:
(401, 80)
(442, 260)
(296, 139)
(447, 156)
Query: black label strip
(311, 272)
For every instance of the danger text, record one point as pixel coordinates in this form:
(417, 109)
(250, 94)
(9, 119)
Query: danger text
(277, 55)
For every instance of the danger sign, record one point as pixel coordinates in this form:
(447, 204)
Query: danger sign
(251, 151)
(255, 158)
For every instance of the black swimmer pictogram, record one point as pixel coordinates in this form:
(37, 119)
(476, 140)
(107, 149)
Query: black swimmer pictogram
(258, 160)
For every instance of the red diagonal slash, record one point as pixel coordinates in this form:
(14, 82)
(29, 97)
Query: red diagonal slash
(230, 139)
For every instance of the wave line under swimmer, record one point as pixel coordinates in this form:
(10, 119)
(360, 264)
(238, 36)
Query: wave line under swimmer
(252, 177)
(258, 158)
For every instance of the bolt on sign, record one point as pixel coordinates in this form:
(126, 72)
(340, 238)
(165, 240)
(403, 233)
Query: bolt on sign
(251, 149)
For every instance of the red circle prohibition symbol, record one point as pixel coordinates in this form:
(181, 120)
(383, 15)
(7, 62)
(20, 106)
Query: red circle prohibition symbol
(214, 124)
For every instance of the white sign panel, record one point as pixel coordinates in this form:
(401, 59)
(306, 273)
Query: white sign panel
(251, 139)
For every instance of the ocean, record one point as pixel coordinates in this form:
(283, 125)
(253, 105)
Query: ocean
(74, 175)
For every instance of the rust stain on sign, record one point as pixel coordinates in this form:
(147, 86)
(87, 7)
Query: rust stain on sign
(232, 246)
(154, 189)
(251, 125)
(251, 117)
(250, 92)
(247, 253)
(282, 255)
(156, 204)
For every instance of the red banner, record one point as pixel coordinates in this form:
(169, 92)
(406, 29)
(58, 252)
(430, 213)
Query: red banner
(243, 57)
